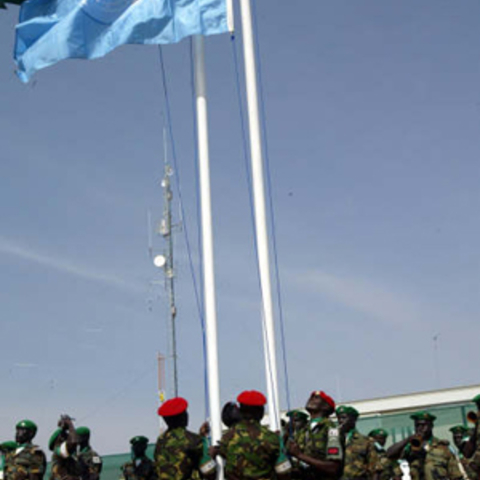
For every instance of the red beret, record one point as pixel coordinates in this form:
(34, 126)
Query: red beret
(325, 397)
(252, 398)
(172, 407)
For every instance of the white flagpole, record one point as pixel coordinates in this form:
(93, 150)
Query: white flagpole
(207, 239)
(260, 215)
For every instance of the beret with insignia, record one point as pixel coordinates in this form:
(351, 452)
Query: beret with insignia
(139, 439)
(28, 424)
(53, 438)
(347, 410)
(423, 415)
(476, 399)
(8, 446)
(378, 431)
(82, 431)
(325, 397)
(297, 414)
(252, 398)
(459, 429)
(172, 407)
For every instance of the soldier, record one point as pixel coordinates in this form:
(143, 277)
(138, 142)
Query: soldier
(460, 437)
(317, 451)
(297, 420)
(428, 457)
(390, 468)
(178, 452)
(28, 461)
(140, 467)
(361, 460)
(471, 448)
(89, 460)
(250, 450)
(63, 443)
(6, 452)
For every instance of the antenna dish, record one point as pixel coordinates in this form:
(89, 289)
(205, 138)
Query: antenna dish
(159, 261)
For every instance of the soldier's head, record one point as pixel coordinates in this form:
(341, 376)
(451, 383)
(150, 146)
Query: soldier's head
(379, 435)
(139, 446)
(230, 414)
(423, 422)
(459, 434)
(83, 434)
(320, 404)
(57, 438)
(347, 418)
(25, 431)
(252, 405)
(298, 419)
(174, 413)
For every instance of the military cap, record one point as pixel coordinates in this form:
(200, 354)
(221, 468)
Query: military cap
(459, 429)
(139, 439)
(423, 415)
(82, 431)
(378, 431)
(54, 438)
(252, 398)
(476, 399)
(325, 397)
(8, 446)
(345, 409)
(297, 413)
(28, 424)
(172, 407)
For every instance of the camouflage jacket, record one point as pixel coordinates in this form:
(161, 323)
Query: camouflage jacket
(361, 458)
(467, 467)
(252, 451)
(90, 463)
(25, 461)
(319, 439)
(390, 468)
(139, 469)
(179, 453)
(435, 461)
(64, 465)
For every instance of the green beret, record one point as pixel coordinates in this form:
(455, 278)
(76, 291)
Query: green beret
(378, 431)
(82, 431)
(9, 446)
(345, 409)
(139, 439)
(476, 399)
(298, 414)
(423, 415)
(459, 429)
(54, 437)
(28, 424)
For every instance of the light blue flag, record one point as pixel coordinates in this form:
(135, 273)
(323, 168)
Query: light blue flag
(53, 30)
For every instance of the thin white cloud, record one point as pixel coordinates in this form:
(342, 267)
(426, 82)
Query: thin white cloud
(376, 301)
(7, 247)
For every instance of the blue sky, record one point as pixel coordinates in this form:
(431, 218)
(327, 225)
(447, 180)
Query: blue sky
(373, 113)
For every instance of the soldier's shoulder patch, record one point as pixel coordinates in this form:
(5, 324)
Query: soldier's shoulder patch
(333, 432)
(333, 451)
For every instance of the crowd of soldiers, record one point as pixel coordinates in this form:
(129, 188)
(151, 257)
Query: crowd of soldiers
(311, 446)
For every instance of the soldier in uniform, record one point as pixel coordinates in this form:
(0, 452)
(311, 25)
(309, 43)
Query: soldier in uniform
(428, 457)
(297, 420)
(89, 460)
(471, 448)
(361, 459)
(460, 437)
(316, 450)
(28, 461)
(140, 467)
(180, 453)
(390, 468)
(6, 452)
(250, 450)
(63, 443)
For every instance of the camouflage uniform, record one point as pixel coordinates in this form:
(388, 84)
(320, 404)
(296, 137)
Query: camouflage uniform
(26, 460)
(252, 451)
(466, 463)
(64, 465)
(139, 469)
(90, 463)
(390, 468)
(179, 453)
(435, 461)
(361, 459)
